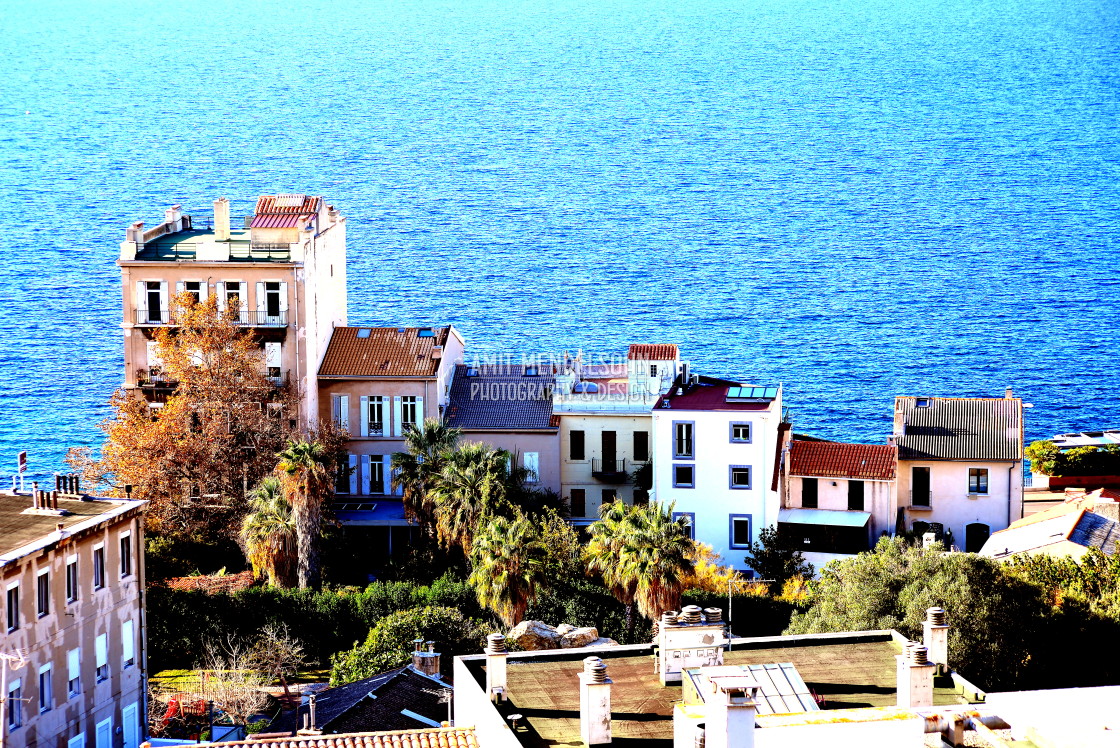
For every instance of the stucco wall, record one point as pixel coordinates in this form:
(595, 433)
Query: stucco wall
(576, 474)
(546, 445)
(878, 499)
(950, 503)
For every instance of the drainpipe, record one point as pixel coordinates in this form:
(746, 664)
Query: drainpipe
(1010, 473)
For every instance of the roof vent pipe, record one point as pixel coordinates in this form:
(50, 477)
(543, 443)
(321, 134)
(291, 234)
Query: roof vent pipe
(594, 703)
(496, 654)
(935, 635)
(915, 677)
(713, 615)
(669, 618)
(690, 614)
(221, 220)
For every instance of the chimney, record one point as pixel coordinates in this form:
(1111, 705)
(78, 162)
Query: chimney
(731, 712)
(173, 217)
(936, 638)
(1107, 508)
(311, 712)
(425, 662)
(221, 220)
(594, 703)
(915, 677)
(1009, 394)
(437, 352)
(496, 654)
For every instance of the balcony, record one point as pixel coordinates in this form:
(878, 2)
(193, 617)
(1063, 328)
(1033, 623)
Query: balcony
(165, 318)
(154, 379)
(609, 471)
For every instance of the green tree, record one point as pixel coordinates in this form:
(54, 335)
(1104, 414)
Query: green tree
(509, 566)
(308, 479)
(473, 482)
(776, 558)
(389, 643)
(416, 469)
(1043, 455)
(997, 621)
(268, 534)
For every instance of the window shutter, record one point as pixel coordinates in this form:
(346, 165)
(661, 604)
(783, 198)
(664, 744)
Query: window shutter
(261, 306)
(386, 474)
(273, 354)
(243, 297)
(153, 354)
(163, 296)
(283, 297)
(344, 411)
(73, 663)
(141, 297)
(128, 641)
(364, 482)
(220, 290)
(203, 290)
(532, 464)
(365, 415)
(179, 287)
(353, 474)
(101, 649)
(419, 412)
(396, 415)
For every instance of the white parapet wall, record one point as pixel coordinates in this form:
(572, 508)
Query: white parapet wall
(472, 708)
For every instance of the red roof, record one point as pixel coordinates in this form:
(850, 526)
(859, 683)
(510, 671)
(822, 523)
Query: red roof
(837, 460)
(278, 221)
(284, 204)
(653, 352)
(708, 396)
(383, 352)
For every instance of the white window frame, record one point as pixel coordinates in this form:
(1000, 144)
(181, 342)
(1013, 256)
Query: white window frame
(12, 616)
(74, 673)
(41, 610)
(121, 539)
(101, 657)
(73, 581)
(99, 579)
(128, 644)
(15, 705)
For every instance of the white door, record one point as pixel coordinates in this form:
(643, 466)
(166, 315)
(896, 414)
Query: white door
(104, 735)
(130, 723)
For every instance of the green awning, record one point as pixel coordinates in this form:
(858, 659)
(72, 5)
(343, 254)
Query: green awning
(829, 517)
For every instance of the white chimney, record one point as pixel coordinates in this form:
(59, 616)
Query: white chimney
(915, 677)
(594, 703)
(496, 654)
(221, 220)
(731, 712)
(425, 662)
(173, 217)
(935, 635)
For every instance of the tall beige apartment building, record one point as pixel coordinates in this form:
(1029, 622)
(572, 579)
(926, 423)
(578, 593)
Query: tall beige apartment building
(72, 570)
(282, 268)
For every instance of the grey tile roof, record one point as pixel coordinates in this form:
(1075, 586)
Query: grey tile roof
(1095, 531)
(957, 428)
(500, 398)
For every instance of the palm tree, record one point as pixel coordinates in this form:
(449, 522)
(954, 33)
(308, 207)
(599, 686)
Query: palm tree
(415, 469)
(307, 481)
(643, 555)
(474, 481)
(509, 566)
(269, 533)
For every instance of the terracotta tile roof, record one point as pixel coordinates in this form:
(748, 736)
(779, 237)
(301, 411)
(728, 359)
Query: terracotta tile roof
(1074, 504)
(382, 352)
(839, 460)
(279, 221)
(287, 204)
(653, 352)
(443, 737)
(958, 428)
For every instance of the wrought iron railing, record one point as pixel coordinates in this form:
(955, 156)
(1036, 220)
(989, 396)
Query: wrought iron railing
(248, 317)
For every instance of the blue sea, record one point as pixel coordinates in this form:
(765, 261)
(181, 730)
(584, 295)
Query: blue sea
(858, 199)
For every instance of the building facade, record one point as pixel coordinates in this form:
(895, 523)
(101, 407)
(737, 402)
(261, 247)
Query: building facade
(960, 466)
(282, 269)
(74, 637)
(715, 444)
(605, 427)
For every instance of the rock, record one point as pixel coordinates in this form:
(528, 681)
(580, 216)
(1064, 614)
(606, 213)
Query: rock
(603, 642)
(564, 628)
(580, 637)
(530, 635)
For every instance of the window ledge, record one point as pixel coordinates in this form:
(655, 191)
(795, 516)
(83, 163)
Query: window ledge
(920, 508)
(975, 496)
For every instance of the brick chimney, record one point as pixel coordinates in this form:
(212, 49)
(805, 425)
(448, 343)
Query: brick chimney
(935, 635)
(915, 677)
(594, 703)
(221, 220)
(496, 654)
(731, 712)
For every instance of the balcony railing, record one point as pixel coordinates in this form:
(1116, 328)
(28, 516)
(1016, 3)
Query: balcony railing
(155, 379)
(247, 318)
(609, 471)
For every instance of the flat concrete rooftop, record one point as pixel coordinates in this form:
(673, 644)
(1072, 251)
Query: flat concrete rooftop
(18, 528)
(842, 671)
(183, 246)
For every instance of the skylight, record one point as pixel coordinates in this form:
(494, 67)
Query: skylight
(364, 332)
(751, 393)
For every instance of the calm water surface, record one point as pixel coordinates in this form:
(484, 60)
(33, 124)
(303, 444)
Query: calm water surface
(858, 199)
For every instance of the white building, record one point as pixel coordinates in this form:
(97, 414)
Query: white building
(960, 465)
(714, 447)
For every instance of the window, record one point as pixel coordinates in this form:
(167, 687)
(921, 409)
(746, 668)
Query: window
(579, 502)
(233, 295)
(532, 466)
(13, 606)
(532, 370)
(15, 704)
(101, 655)
(74, 672)
(741, 432)
(272, 299)
(919, 486)
(342, 474)
(688, 519)
(375, 413)
(376, 475)
(855, 495)
(98, 567)
(273, 361)
(46, 689)
(609, 495)
(682, 439)
(684, 476)
(977, 480)
(809, 493)
(653, 370)
(153, 297)
(43, 593)
(576, 446)
(739, 477)
(641, 446)
(126, 554)
(340, 411)
(410, 415)
(740, 530)
(922, 402)
(128, 644)
(194, 288)
(78, 741)
(71, 579)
